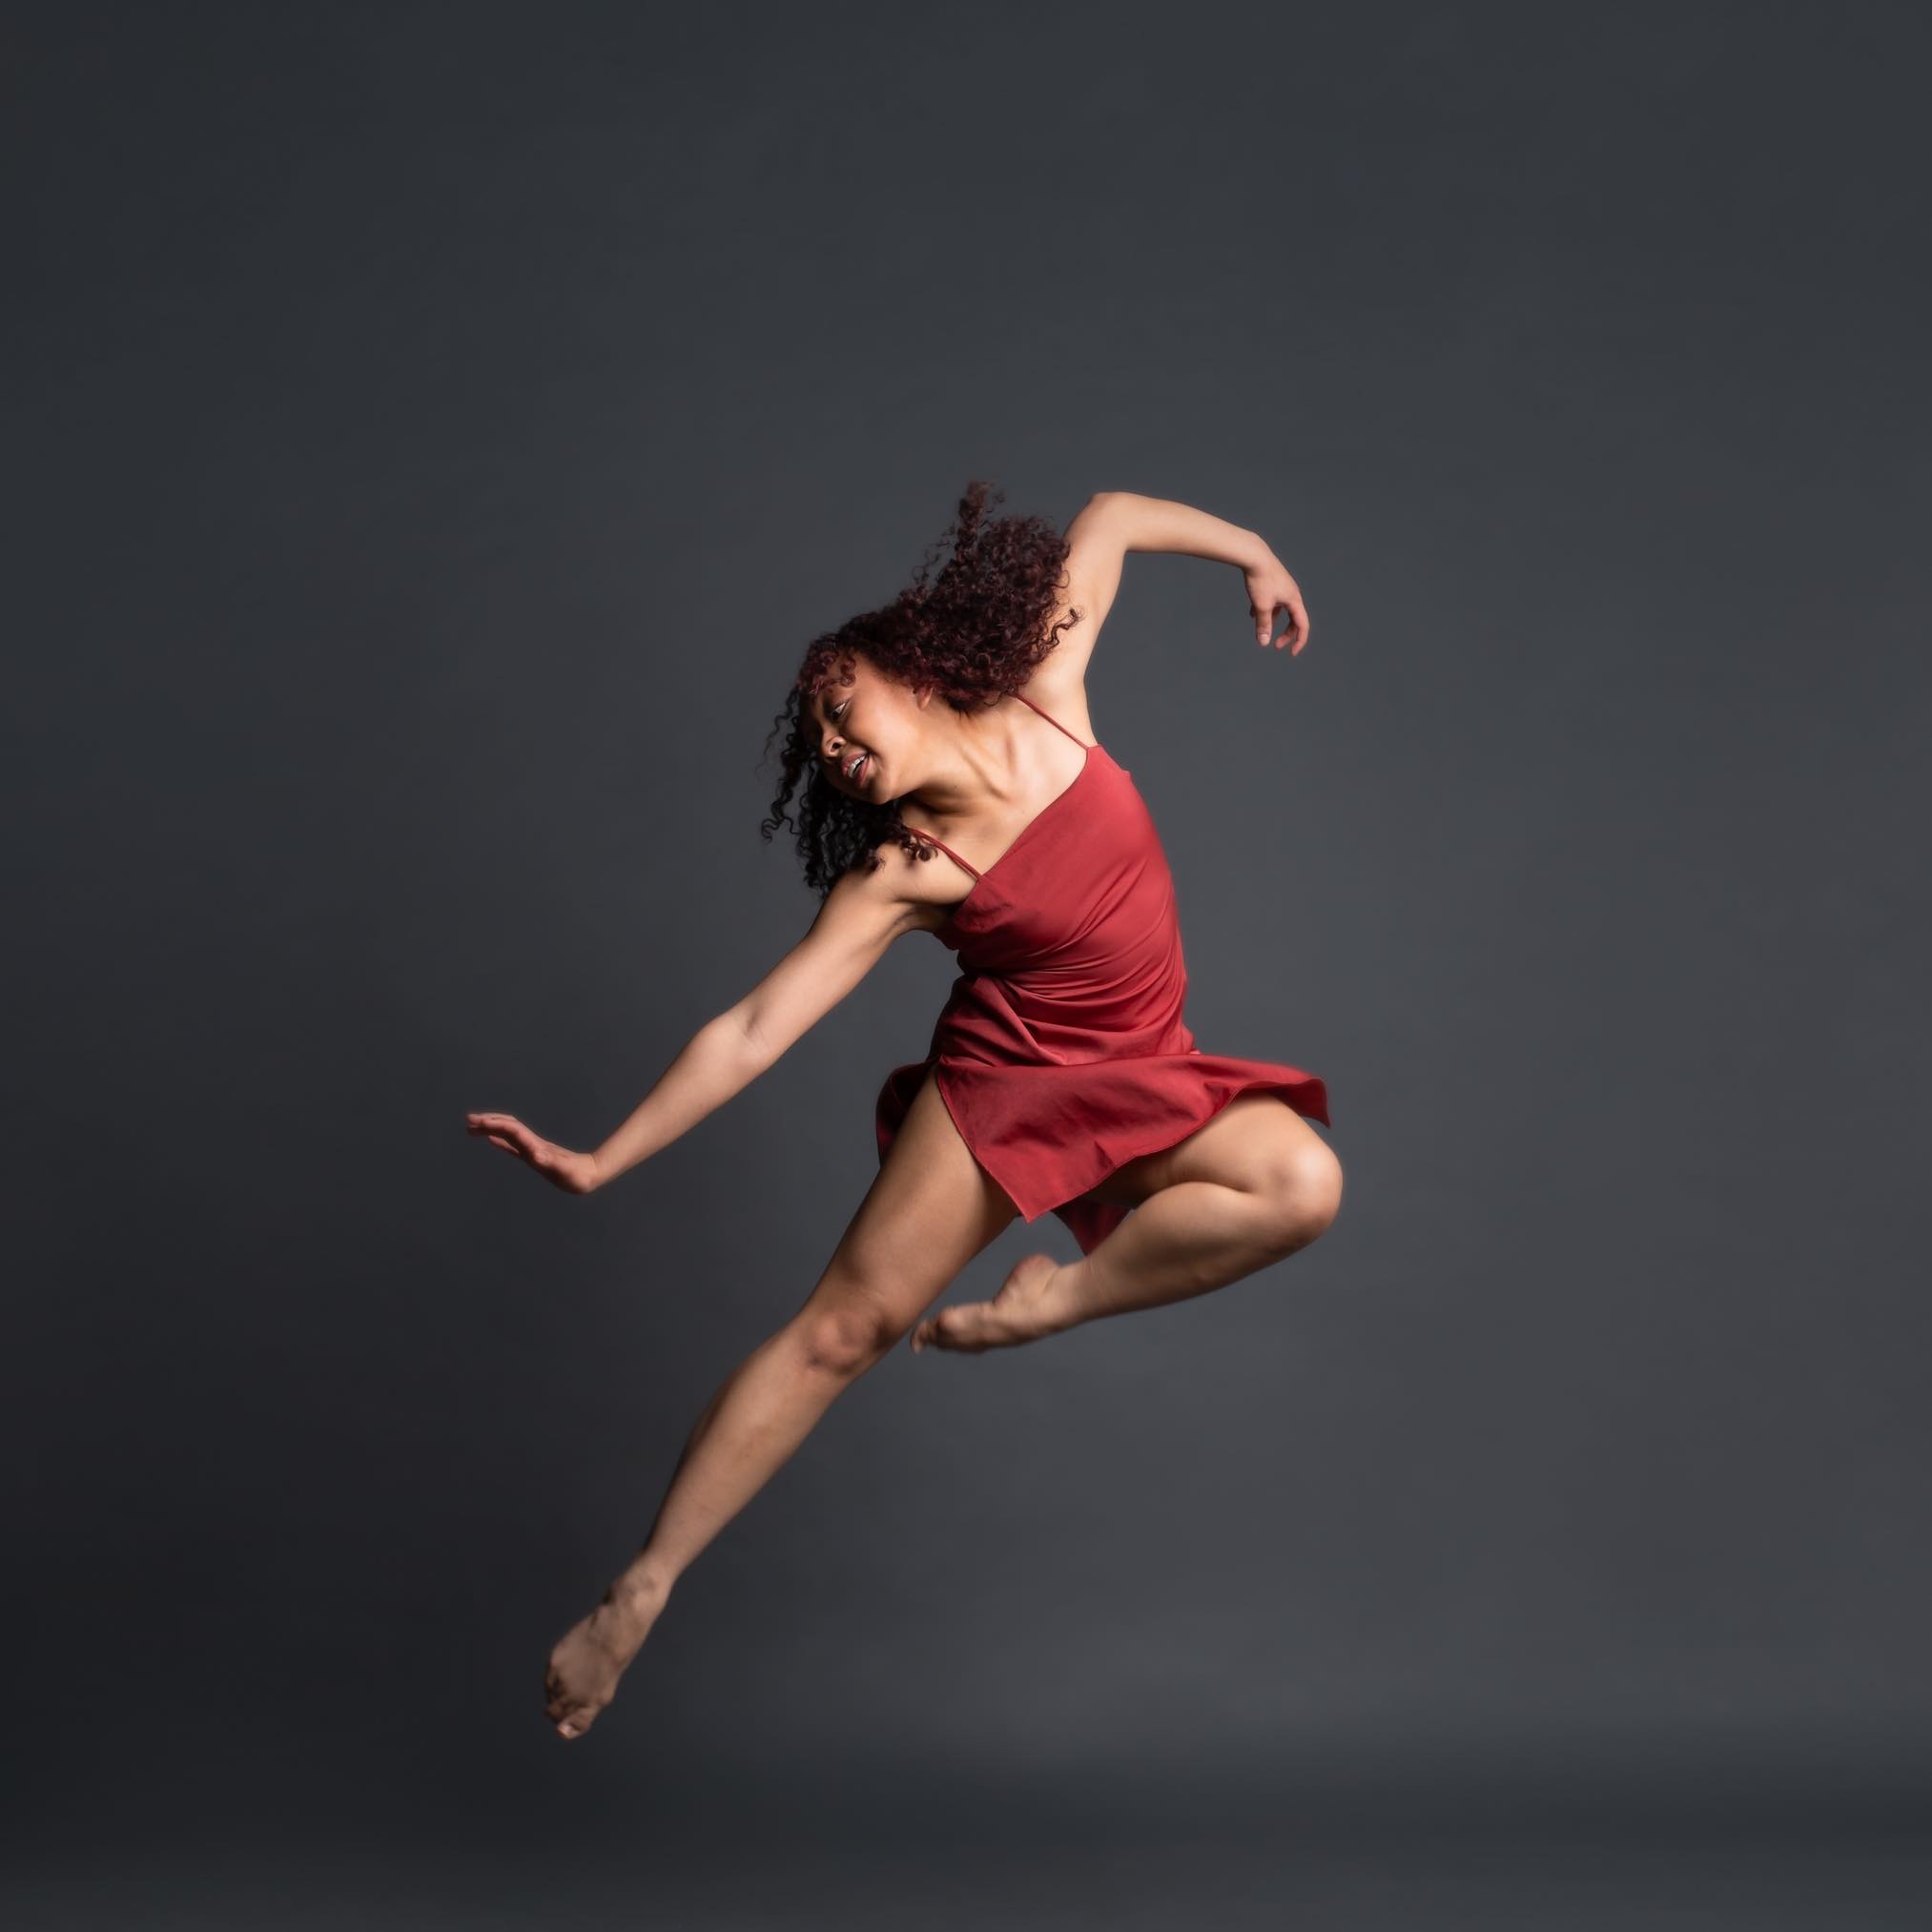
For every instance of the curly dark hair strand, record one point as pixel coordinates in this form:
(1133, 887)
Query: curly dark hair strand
(972, 624)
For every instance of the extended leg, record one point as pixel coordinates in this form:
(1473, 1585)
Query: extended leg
(1246, 1188)
(929, 1211)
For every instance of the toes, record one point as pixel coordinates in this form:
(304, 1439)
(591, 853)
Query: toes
(967, 1329)
(939, 1331)
(962, 1327)
(568, 1718)
(1018, 1313)
(568, 1714)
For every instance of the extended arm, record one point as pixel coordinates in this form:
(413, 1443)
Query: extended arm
(861, 916)
(1120, 522)
(1115, 522)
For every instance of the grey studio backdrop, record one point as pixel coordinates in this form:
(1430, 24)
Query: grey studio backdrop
(436, 432)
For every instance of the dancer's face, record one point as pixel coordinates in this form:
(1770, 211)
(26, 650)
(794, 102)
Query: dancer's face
(873, 716)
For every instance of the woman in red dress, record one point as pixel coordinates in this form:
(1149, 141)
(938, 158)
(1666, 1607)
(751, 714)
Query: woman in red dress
(953, 786)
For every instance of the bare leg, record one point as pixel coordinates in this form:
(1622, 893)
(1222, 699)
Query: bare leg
(1246, 1188)
(929, 1211)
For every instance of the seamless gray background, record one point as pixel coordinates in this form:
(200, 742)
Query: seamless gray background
(435, 433)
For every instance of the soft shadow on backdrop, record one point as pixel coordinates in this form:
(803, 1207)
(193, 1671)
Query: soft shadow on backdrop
(436, 432)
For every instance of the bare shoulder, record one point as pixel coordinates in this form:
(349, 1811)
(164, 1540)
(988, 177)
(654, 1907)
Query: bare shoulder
(1097, 541)
(916, 893)
(1060, 690)
(866, 910)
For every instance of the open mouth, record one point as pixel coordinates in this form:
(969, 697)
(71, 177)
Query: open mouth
(858, 767)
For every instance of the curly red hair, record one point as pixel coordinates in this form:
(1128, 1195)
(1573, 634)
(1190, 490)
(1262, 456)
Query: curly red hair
(973, 627)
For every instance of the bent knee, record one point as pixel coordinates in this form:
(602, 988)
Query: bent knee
(1300, 1194)
(849, 1335)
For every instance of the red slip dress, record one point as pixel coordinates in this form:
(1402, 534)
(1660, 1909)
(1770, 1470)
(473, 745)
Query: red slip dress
(1061, 1052)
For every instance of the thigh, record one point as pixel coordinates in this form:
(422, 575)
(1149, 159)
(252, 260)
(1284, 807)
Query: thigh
(931, 1208)
(1257, 1144)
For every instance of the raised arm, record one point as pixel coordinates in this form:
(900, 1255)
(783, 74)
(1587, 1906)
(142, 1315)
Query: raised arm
(862, 915)
(1115, 522)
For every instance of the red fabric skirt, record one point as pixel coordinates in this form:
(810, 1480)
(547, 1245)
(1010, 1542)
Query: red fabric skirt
(1048, 1133)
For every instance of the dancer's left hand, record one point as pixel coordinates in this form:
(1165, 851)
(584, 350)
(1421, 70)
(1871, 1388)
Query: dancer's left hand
(562, 1167)
(1269, 590)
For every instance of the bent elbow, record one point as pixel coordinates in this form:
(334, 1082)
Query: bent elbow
(739, 1029)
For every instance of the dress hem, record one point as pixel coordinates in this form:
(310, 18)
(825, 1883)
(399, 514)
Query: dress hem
(1311, 1085)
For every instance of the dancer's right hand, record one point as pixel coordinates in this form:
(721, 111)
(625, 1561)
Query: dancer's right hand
(561, 1166)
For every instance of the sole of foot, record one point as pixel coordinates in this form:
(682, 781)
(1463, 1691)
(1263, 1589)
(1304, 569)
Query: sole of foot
(1023, 1310)
(590, 1658)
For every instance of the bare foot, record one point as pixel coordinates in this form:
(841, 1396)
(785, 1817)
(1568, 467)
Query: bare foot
(1025, 1308)
(591, 1655)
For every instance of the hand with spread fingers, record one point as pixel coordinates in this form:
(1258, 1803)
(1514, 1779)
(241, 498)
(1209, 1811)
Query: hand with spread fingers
(561, 1166)
(1270, 590)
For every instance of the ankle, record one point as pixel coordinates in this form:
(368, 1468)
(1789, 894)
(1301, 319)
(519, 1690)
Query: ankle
(642, 1590)
(1060, 1300)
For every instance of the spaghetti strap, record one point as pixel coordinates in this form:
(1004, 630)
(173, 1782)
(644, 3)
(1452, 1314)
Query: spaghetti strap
(1053, 721)
(1062, 1052)
(943, 847)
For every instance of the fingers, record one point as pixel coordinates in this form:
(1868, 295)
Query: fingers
(557, 1165)
(1295, 633)
(1271, 591)
(1297, 623)
(504, 1131)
